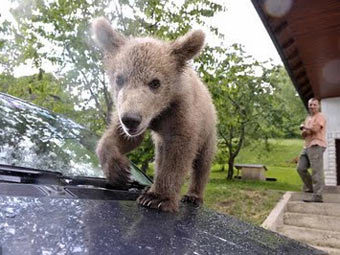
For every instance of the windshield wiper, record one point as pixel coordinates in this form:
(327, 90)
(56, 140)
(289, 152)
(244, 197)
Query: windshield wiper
(18, 174)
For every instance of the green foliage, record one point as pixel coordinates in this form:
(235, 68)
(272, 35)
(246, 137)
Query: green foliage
(221, 157)
(243, 96)
(144, 154)
(288, 104)
(8, 49)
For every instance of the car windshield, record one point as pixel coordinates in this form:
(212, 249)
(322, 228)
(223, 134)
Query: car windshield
(36, 138)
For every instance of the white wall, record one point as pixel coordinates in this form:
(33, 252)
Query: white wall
(330, 107)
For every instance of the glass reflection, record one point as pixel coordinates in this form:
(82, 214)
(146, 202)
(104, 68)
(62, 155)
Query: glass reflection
(34, 137)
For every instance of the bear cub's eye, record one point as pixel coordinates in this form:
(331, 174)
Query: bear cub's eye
(154, 84)
(120, 80)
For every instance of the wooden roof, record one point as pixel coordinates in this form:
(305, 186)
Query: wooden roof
(306, 34)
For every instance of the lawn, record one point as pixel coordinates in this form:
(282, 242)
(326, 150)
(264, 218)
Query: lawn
(252, 201)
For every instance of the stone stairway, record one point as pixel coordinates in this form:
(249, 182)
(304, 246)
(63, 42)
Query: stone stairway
(317, 224)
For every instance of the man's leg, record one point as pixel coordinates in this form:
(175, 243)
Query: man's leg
(302, 167)
(315, 155)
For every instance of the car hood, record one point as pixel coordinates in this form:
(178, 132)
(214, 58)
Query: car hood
(43, 225)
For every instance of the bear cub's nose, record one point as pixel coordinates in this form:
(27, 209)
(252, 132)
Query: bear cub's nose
(131, 120)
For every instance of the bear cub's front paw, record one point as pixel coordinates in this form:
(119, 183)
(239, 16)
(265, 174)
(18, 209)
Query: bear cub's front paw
(157, 201)
(116, 166)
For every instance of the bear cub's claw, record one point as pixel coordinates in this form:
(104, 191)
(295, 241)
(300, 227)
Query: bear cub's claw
(196, 201)
(120, 176)
(155, 201)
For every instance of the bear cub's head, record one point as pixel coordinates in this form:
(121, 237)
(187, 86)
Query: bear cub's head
(145, 73)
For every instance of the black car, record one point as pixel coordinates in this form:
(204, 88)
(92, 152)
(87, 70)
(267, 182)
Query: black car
(54, 200)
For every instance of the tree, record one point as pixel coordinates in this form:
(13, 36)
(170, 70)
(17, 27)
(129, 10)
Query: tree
(243, 97)
(290, 106)
(8, 50)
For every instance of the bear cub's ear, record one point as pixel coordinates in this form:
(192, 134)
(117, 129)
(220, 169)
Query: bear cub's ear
(105, 37)
(187, 46)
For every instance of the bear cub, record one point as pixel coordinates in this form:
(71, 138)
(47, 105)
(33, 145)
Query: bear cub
(153, 87)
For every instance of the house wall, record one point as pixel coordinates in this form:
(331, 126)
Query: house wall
(330, 107)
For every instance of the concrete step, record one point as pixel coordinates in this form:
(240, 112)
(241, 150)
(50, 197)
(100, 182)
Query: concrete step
(327, 197)
(328, 209)
(315, 221)
(330, 251)
(322, 238)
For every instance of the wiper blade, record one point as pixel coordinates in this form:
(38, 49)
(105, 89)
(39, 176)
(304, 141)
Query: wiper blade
(18, 174)
(100, 183)
(26, 170)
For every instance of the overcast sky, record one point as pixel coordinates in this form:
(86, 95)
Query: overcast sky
(240, 24)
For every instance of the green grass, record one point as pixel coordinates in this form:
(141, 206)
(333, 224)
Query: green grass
(252, 201)
(281, 153)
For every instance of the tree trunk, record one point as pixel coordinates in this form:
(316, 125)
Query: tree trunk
(230, 168)
(233, 155)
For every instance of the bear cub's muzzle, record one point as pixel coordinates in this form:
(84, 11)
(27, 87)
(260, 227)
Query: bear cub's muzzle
(131, 121)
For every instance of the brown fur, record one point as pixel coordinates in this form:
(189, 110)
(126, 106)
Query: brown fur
(179, 112)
